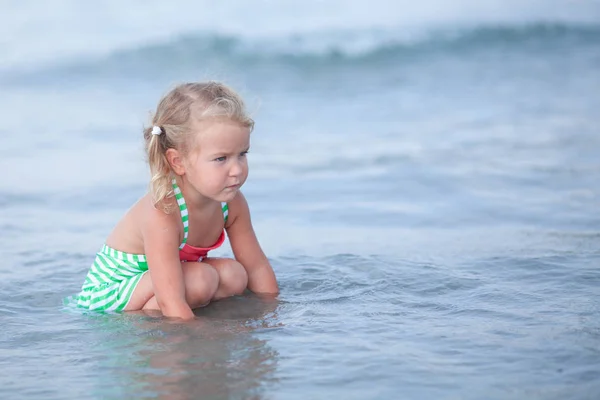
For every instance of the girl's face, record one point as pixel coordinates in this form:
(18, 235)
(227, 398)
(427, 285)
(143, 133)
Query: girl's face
(216, 167)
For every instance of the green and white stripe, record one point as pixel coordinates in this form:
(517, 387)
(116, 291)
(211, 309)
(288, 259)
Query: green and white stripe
(111, 280)
(225, 209)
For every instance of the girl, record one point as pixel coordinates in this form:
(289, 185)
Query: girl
(156, 256)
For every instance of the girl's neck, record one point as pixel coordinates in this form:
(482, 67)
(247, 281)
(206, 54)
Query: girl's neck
(193, 199)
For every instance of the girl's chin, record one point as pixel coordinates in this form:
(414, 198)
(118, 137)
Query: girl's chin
(228, 194)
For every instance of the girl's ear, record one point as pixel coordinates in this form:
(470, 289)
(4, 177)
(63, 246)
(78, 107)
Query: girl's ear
(175, 161)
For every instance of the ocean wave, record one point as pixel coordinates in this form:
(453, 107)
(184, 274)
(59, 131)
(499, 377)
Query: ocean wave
(359, 45)
(203, 50)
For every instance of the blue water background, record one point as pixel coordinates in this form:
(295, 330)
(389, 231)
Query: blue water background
(425, 179)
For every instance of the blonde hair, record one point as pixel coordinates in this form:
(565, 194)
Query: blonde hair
(177, 111)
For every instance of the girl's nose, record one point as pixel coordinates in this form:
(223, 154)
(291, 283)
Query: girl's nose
(236, 168)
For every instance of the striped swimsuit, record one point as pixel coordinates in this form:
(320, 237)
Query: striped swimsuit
(114, 274)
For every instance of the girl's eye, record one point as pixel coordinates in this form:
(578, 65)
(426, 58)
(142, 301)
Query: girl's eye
(243, 153)
(221, 159)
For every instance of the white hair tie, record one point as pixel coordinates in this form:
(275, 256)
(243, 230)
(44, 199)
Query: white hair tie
(156, 130)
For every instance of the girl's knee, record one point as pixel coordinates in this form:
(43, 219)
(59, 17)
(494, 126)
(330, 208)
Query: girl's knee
(201, 283)
(233, 277)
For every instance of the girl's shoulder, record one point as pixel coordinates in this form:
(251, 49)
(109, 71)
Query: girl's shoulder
(141, 218)
(158, 229)
(164, 214)
(238, 207)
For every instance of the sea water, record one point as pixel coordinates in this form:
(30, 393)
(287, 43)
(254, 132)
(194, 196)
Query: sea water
(425, 179)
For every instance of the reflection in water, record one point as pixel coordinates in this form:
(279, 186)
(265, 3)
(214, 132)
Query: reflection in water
(218, 355)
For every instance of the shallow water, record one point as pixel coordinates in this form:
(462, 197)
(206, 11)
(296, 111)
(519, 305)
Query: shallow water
(426, 187)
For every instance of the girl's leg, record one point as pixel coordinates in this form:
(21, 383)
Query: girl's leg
(233, 278)
(201, 284)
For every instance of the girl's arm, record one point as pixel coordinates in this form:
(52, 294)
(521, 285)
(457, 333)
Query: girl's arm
(161, 246)
(245, 246)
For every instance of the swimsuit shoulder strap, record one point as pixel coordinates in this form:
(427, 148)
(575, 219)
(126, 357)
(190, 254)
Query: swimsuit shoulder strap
(183, 210)
(225, 209)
